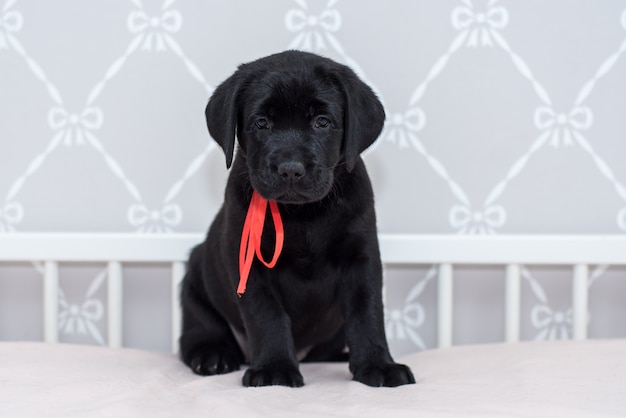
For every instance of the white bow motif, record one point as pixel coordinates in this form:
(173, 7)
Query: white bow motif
(479, 24)
(151, 221)
(402, 124)
(479, 222)
(564, 126)
(621, 219)
(73, 126)
(156, 27)
(298, 21)
(82, 318)
(11, 21)
(10, 215)
(79, 318)
(553, 324)
(403, 324)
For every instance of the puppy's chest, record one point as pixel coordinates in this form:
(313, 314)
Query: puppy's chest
(309, 296)
(306, 269)
(305, 265)
(307, 284)
(304, 241)
(308, 257)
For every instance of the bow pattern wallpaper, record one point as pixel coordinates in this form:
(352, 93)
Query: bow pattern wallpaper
(503, 116)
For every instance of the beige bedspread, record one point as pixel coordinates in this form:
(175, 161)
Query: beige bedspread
(554, 379)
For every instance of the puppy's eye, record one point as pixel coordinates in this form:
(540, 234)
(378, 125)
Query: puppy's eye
(322, 122)
(262, 123)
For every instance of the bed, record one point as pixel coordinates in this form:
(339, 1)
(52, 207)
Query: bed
(578, 377)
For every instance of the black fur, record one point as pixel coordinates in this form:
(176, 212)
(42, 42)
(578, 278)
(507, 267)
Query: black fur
(301, 122)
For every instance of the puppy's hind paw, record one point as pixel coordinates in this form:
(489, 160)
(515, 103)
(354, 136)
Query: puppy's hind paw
(215, 362)
(271, 376)
(389, 375)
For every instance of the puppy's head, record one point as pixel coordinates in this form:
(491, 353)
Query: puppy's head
(297, 117)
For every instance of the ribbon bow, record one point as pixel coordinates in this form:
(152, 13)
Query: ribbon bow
(90, 118)
(464, 17)
(412, 120)
(11, 214)
(543, 316)
(406, 321)
(477, 222)
(251, 237)
(553, 324)
(298, 20)
(329, 20)
(10, 22)
(75, 318)
(580, 118)
(139, 215)
(621, 219)
(170, 21)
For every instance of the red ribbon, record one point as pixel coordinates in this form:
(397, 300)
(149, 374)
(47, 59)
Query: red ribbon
(251, 237)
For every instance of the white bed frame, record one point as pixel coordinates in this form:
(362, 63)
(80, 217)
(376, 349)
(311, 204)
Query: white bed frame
(508, 251)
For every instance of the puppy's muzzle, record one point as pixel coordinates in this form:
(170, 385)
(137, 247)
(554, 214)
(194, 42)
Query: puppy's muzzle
(291, 171)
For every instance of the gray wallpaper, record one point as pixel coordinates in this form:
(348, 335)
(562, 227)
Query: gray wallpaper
(503, 117)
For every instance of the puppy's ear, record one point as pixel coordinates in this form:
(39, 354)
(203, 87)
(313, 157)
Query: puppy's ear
(222, 114)
(364, 116)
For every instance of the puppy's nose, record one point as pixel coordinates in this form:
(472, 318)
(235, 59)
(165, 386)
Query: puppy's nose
(291, 170)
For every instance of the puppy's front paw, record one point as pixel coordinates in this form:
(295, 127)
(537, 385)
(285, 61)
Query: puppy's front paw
(391, 374)
(265, 376)
(206, 363)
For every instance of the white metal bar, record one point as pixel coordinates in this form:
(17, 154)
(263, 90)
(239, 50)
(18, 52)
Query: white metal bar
(178, 272)
(444, 306)
(504, 249)
(98, 247)
(395, 248)
(512, 303)
(580, 301)
(573, 250)
(51, 302)
(115, 304)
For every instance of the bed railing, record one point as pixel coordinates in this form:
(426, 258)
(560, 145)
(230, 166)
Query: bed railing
(110, 248)
(446, 251)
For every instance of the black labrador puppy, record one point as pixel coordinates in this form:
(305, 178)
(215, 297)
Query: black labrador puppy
(301, 121)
